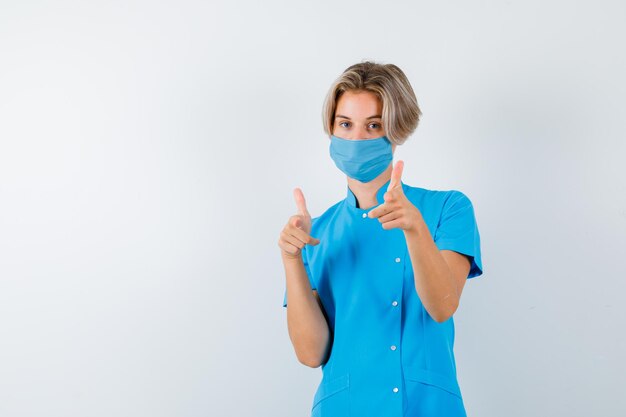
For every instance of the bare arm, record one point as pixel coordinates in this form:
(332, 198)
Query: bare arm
(439, 275)
(307, 325)
(306, 321)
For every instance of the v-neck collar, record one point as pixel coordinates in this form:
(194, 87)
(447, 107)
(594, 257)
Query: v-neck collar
(380, 193)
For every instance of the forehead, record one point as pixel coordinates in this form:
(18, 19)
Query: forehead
(358, 105)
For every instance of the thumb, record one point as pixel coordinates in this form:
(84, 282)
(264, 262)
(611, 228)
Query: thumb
(300, 202)
(297, 222)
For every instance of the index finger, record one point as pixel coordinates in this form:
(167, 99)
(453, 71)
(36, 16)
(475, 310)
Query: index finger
(300, 201)
(396, 175)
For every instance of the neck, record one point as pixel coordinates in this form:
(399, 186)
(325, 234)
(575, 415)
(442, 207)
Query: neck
(365, 192)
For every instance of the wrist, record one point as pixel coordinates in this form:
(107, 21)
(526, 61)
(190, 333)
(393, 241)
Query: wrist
(289, 258)
(417, 227)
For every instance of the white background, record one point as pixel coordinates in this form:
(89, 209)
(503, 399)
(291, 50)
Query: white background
(148, 153)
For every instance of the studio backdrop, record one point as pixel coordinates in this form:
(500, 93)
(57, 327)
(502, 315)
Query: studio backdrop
(148, 156)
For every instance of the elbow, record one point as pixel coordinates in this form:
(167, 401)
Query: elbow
(311, 364)
(444, 314)
(442, 318)
(310, 360)
(313, 357)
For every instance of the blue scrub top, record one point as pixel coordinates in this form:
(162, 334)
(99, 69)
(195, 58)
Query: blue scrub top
(388, 356)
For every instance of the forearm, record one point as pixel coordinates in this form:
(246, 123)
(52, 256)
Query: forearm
(308, 329)
(433, 278)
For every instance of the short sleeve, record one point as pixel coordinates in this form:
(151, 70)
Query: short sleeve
(303, 252)
(457, 230)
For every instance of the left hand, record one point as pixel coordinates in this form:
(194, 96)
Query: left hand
(397, 211)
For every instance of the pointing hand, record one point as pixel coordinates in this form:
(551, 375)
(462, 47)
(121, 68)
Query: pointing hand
(296, 232)
(397, 211)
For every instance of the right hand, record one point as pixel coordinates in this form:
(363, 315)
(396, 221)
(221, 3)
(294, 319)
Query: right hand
(296, 232)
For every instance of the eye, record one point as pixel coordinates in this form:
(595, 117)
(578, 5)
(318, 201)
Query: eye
(377, 126)
(341, 124)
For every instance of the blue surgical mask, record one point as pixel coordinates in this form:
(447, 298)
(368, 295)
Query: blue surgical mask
(361, 159)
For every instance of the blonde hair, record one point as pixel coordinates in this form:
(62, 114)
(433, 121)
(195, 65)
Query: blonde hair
(400, 114)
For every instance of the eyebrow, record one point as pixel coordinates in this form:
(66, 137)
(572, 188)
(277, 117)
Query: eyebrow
(377, 116)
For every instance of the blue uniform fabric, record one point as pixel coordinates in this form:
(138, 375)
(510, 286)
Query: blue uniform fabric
(388, 356)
